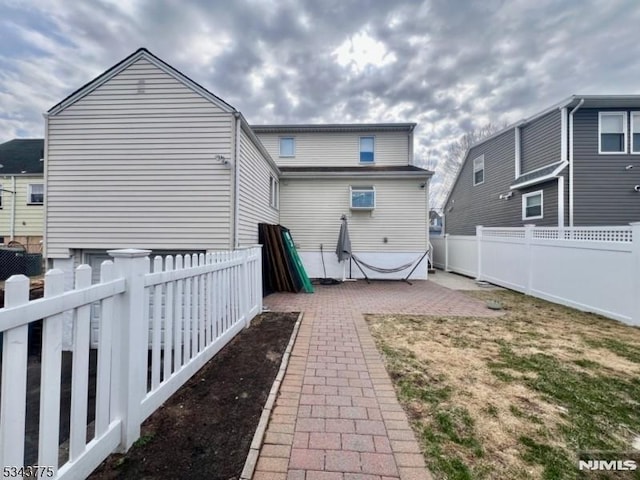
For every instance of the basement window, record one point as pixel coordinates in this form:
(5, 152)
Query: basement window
(612, 128)
(478, 170)
(36, 194)
(532, 205)
(363, 198)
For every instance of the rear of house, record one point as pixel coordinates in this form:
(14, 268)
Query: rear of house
(143, 157)
(362, 171)
(570, 165)
(22, 193)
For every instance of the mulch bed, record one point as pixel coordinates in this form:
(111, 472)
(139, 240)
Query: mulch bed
(205, 429)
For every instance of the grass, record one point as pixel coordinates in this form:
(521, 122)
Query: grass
(516, 396)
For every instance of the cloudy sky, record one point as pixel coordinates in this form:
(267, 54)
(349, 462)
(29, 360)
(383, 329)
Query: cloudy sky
(449, 65)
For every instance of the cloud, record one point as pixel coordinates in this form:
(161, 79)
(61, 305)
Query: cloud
(450, 66)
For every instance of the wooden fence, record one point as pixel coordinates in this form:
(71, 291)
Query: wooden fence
(156, 329)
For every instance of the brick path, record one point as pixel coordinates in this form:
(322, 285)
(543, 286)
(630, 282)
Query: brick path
(337, 416)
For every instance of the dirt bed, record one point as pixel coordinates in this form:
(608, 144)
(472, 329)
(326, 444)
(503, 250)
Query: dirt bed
(205, 429)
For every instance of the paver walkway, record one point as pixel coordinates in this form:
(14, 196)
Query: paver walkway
(336, 416)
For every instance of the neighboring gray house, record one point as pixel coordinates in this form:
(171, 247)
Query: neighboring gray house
(576, 163)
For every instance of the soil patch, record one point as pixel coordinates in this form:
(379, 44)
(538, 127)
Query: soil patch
(205, 429)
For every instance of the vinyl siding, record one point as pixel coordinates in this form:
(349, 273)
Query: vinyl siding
(471, 205)
(254, 199)
(603, 189)
(339, 149)
(138, 170)
(540, 142)
(311, 209)
(29, 218)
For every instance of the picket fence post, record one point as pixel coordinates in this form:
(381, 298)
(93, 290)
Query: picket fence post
(635, 252)
(479, 251)
(244, 288)
(130, 345)
(259, 277)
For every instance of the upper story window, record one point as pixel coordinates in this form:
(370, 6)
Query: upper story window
(363, 198)
(612, 128)
(36, 194)
(366, 149)
(532, 205)
(478, 170)
(274, 192)
(635, 132)
(287, 147)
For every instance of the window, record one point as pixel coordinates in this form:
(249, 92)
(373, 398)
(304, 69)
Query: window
(635, 132)
(478, 170)
(366, 149)
(363, 198)
(613, 132)
(287, 147)
(274, 192)
(532, 205)
(36, 194)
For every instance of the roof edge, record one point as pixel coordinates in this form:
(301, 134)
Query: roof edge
(122, 65)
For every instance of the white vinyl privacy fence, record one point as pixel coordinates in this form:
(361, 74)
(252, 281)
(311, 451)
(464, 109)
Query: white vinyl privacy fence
(156, 329)
(594, 269)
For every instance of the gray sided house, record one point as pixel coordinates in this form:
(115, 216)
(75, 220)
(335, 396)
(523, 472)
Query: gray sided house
(576, 163)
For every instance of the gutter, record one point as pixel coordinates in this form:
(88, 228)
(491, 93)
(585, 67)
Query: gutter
(13, 208)
(425, 174)
(576, 108)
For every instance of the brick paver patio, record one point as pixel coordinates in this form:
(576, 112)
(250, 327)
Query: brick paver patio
(336, 416)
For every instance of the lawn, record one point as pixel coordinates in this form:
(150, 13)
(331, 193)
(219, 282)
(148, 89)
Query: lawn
(516, 396)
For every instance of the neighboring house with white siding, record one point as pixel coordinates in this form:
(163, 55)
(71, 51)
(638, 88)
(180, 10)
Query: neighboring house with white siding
(363, 171)
(573, 164)
(22, 192)
(143, 157)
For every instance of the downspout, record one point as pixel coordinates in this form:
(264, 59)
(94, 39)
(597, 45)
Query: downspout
(13, 207)
(518, 152)
(564, 157)
(236, 179)
(577, 107)
(45, 207)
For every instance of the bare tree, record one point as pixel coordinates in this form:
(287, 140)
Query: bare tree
(452, 159)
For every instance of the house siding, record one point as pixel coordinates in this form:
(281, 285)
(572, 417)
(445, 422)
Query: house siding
(254, 195)
(603, 188)
(136, 169)
(540, 142)
(29, 218)
(339, 149)
(311, 209)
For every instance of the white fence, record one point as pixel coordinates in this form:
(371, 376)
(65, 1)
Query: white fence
(594, 269)
(193, 306)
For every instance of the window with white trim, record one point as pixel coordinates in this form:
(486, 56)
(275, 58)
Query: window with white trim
(367, 145)
(478, 170)
(274, 192)
(287, 147)
(612, 130)
(363, 198)
(532, 205)
(635, 132)
(36, 194)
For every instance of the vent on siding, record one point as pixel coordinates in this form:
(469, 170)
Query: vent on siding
(141, 85)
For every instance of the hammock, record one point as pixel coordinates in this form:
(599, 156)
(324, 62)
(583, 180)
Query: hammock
(386, 270)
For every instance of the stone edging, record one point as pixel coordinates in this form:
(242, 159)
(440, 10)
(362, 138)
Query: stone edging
(258, 437)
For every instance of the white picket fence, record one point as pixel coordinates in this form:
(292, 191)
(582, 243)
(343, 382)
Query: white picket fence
(594, 269)
(190, 306)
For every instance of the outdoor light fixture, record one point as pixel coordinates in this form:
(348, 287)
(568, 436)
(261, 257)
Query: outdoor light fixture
(505, 196)
(628, 167)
